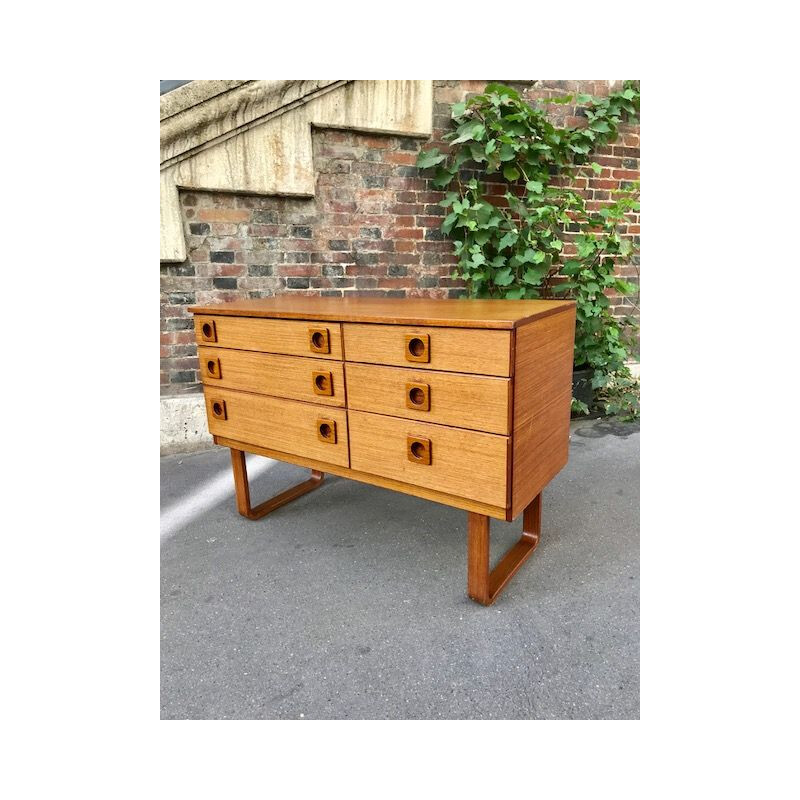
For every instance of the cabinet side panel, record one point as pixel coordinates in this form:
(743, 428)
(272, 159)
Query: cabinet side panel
(542, 397)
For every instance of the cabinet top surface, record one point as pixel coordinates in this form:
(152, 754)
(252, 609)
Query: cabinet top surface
(503, 314)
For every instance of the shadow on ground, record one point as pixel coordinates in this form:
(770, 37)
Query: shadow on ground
(350, 602)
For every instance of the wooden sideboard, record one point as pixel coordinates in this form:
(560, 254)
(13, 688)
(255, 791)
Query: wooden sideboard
(465, 402)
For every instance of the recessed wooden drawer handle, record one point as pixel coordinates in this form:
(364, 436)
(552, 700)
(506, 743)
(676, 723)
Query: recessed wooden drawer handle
(418, 396)
(208, 331)
(418, 450)
(322, 383)
(319, 340)
(218, 410)
(326, 430)
(418, 348)
(213, 368)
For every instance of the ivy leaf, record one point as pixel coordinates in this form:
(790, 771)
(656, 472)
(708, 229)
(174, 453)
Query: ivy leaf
(583, 99)
(509, 240)
(534, 276)
(429, 158)
(507, 152)
(629, 94)
(491, 146)
(468, 132)
(515, 293)
(504, 276)
(596, 168)
(592, 287)
(478, 260)
(443, 178)
(537, 187)
(458, 110)
(601, 126)
(502, 90)
(510, 173)
(476, 152)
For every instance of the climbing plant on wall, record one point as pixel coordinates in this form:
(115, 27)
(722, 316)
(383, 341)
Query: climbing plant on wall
(511, 245)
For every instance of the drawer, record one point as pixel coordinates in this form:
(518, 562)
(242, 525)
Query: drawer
(313, 339)
(463, 463)
(462, 401)
(304, 379)
(302, 429)
(484, 352)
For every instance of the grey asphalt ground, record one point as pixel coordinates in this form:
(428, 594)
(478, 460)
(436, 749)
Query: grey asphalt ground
(350, 603)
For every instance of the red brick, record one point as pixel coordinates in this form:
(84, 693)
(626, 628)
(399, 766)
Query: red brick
(401, 157)
(428, 222)
(406, 233)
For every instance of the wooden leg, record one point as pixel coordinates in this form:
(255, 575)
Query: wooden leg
(483, 585)
(243, 489)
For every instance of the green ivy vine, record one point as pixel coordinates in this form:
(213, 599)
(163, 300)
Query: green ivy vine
(511, 245)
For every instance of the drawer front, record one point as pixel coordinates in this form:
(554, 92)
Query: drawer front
(458, 462)
(305, 379)
(462, 401)
(288, 426)
(482, 352)
(312, 339)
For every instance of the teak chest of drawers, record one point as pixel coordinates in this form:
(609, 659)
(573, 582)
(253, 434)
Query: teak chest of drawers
(465, 402)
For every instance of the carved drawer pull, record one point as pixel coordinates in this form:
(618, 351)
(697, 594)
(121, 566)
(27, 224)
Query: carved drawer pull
(418, 348)
(322, 383)
(208, 331)
(218, 409)
(326, 430)
(418, 396)
(418, 450)
(213, 368)
(319, 340)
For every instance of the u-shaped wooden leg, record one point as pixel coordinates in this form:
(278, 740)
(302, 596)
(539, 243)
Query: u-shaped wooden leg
(483, 585)
(243, 489)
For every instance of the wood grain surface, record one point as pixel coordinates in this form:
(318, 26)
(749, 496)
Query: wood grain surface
(285, 425)
(279, 376)
(462, 463)
(542, 395)
(269, 335)
(463, 401)
(503, 314)
(481, 352)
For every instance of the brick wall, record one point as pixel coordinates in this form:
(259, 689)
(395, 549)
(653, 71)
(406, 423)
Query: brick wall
(371, 229)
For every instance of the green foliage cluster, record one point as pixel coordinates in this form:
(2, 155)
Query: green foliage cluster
(512, 248)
